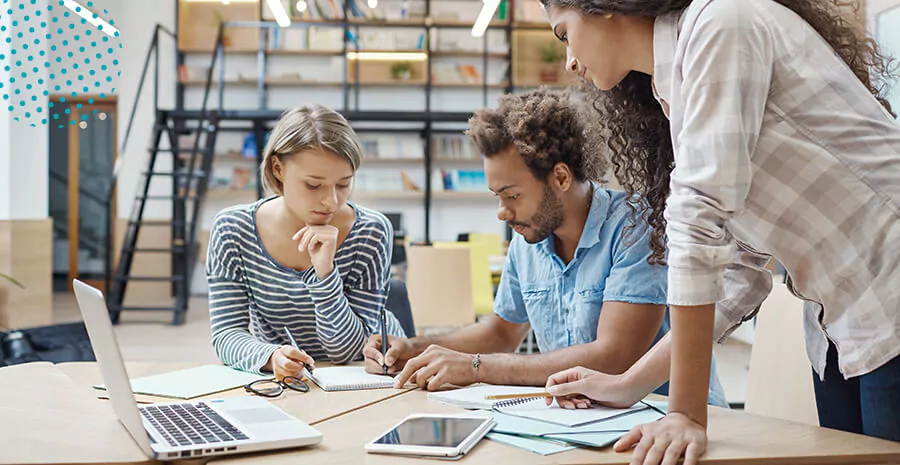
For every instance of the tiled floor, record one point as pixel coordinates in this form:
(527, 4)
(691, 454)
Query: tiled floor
(150, 337)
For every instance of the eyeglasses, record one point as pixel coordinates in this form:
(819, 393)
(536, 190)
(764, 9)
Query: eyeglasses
(274, 387)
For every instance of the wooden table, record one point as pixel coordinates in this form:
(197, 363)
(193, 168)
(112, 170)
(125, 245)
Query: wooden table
(312, 407)
(734, 437)
(50, 414)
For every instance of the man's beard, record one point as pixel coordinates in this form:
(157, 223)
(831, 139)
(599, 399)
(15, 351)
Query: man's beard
(548, 218)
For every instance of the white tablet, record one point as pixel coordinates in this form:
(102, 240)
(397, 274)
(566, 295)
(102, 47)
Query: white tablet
(432, 435)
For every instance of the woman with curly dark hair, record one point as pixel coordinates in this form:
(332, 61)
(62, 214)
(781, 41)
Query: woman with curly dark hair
(752, 129)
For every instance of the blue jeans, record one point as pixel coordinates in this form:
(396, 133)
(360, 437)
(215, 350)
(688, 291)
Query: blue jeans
(867, 404)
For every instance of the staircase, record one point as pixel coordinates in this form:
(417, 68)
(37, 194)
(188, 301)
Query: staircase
(189, 178)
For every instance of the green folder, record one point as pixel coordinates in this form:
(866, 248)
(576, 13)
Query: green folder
(192, 382)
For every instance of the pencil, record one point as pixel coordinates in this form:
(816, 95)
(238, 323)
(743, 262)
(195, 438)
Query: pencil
(517, 396)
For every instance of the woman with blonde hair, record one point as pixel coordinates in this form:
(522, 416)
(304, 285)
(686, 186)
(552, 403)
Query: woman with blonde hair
(752, 129)
(305, 259)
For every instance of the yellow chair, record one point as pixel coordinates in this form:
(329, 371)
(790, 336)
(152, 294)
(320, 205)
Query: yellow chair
(493, 242)
(480, 272)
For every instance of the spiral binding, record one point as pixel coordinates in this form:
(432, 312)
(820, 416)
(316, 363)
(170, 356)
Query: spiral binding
(514, 402)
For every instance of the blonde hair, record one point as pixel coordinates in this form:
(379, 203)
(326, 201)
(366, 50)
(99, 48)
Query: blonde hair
(310, 127)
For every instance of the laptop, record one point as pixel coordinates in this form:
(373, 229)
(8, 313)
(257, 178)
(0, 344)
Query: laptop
(178, 430)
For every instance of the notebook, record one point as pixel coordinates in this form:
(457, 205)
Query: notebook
(474, 397)
(540, 446)
(599, 434)
(192, 382)
(534, 408)
(348, 379)
(537, 409)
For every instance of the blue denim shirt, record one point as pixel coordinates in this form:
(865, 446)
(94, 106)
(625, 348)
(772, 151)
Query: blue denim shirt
(562, 302)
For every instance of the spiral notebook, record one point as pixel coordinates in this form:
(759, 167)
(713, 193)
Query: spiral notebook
(537, 409)
(534, 408)
(348, 379)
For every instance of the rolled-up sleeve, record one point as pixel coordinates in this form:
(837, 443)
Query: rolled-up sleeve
(747, 284)
(726, 68)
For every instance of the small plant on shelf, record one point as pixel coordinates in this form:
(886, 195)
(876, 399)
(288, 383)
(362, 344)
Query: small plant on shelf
(553, 55)
(401, 71)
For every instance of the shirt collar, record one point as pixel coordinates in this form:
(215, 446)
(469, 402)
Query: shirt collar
(665, 37)
(590, 235)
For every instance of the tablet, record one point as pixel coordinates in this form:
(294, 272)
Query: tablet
(432, 435)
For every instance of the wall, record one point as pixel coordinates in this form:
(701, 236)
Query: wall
(24, 226)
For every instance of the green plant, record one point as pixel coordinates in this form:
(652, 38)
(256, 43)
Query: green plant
(12, 280)
(401, 70)
(552, 53)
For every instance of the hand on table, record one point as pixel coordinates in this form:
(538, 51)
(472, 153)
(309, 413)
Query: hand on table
(437, 366)
(665, 441)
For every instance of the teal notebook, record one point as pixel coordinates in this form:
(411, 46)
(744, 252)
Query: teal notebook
(192, 382)
(598, 434)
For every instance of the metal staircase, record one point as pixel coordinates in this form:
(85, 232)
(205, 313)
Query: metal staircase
(189, 178)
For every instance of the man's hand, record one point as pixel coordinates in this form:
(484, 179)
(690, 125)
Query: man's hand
(575, 386)
(438, 366)
(321, 241)
(288, 361)
(399, 351)
(664, 442)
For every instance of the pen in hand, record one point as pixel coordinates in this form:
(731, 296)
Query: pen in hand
(294, 343)
(384, 341)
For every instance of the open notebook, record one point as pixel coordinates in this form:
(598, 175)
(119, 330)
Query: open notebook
(534, 408)
(537, 409)
(348, 379)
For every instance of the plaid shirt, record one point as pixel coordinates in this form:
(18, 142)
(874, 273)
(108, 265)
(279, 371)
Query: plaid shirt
(781, 151)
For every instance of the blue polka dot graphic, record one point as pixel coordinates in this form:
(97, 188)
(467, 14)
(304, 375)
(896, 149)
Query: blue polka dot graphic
(55, 48)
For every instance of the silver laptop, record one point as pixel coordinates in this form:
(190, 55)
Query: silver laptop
(169, 431)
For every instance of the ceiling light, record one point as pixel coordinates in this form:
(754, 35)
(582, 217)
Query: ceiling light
(387, 56)
(277, 9)
(484, 17)
(302, 6)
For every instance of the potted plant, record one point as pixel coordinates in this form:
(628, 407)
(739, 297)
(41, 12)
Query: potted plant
(401, 71)
(552, 55)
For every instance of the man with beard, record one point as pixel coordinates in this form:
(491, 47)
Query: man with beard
(577, 271)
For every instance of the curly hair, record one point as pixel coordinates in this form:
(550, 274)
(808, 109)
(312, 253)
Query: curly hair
(546, 127)
(636, 131)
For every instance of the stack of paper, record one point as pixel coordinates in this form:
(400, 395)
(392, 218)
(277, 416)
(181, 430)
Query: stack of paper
(532, 425)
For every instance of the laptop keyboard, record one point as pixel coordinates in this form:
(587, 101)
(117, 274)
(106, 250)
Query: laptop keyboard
(188, 424)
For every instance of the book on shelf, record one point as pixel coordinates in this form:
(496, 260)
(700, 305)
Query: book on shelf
(392, 146)
(457, 180)
(454, 147)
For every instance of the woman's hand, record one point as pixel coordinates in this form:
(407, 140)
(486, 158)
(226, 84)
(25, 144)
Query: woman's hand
(321, 242)
(288, 361)
(577, 387)
(665, 441)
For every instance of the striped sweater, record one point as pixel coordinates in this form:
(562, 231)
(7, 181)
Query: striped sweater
(252, 298)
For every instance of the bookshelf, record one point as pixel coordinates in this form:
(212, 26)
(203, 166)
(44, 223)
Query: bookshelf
(321, 60)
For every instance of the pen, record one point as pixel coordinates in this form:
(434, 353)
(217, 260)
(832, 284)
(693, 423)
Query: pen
(384, 342)
(294, 343)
